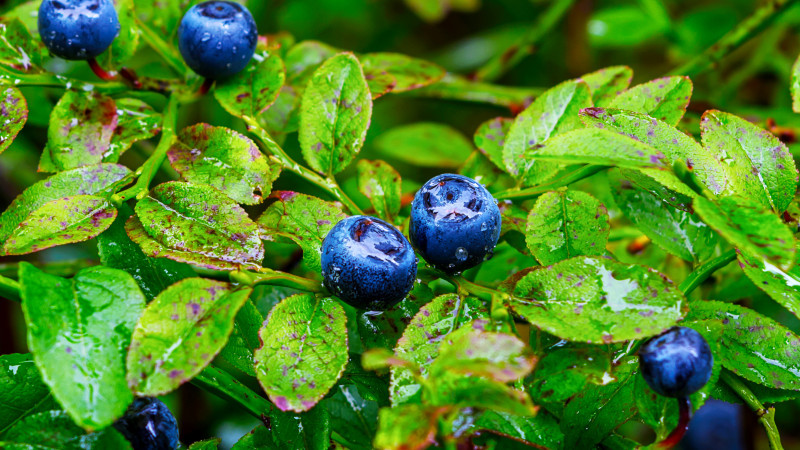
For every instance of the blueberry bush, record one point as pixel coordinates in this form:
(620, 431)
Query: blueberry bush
(398, 225)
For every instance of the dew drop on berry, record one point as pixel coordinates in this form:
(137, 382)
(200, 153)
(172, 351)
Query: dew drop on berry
(461, 254)
(484, 226)
(206, 37)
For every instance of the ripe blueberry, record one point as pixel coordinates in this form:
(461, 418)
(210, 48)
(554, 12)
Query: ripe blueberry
(717, 425)
(677, 362)
(368, 263)
(149, 425)
(78, 29)
(455, 222)
(217, 39)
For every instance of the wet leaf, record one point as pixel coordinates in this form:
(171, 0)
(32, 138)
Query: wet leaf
(563, 224)
(601, 147)
(244, 341)
(597, 300)
(78, 331)
(180, 332)
(470, 391)
(303, 59)
(14, 110)
(224, 159)
(762, 164)
(746, 225)
(22, 391)
(188, 220)
(123, 46)
(58, 222)
(381, 184)
(208, 444)
(491, 137)
(353, 406)
(405, 427)
(607, 83)
(497, 356)
(665, 98)
(782, 286)
(383, 330)
(55, 430)
(335, 114)
(539, 430)
(753, 346)
(407, 73)
(18, 49)
(551, 114)
(420, 341)
(304, 219)
(251, 91)
(136, 121)
(425, 144)
(304, 351)
(564, 372)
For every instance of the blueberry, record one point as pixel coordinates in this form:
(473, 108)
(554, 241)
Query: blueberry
(717, 425)
(149, 425)
(217, 39)
(78, 29)
(368, 263)
(455, 222)
(677, 362)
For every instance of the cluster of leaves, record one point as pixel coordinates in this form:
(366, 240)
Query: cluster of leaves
(172, 300)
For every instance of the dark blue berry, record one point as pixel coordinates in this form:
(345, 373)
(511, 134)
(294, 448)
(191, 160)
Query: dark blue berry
(78, 29)
(149, 425)
(217, 39)
(677, 362)
(455, 222)
(717, 425)
(368, 263)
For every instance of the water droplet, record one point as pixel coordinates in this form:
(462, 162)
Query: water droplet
(450, 266)
(219, 45)
(484, 226)
(461, 254)
(233, 49)
(206, 36)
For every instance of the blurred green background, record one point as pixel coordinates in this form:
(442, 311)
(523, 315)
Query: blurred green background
(651, 36)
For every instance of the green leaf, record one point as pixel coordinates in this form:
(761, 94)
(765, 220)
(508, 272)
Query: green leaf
(303, 59)
(224, 159)
(746, 225)
(83, 181)
(420, 341)
(208, 444)
(795, 86)
(490, 138)
(782, 286)
(59, 222)
(180, 332)
(471, 351)
(22, 391)
(136, 121)
(282, 116)
(123, 46)
(244, 341)
(18, 49)
(161, 16)
(607, 83)
(597, 300)
(753, 346)
(540, 430)
(381, 184)
(552, 113)
(600, 147)
(335, 114)
(471, 391)
(117, 251)
(383, 330)
(15, 114)
(251, 91)
(78, 332)
(407, 73)
(259, 438)
(304, 351)
(354, 406)
(425, 144)
(563, 224)
(405, 427)
(55, 430)
(765, 163)
(304, 219)
(198, 224)
(564, 372)
(665, 98)
(677, 232)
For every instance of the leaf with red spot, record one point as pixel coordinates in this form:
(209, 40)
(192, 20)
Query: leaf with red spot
(665, 98)
(251, 91)
(180, 333)
(14, 111)
(597, 300)
(304, 351)
(395, 72)
(195, 224)
(224, 159)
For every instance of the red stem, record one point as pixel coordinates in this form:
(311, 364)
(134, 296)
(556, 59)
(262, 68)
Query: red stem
(131, 76)
(207, 83)
(99, 70)
(684, 414)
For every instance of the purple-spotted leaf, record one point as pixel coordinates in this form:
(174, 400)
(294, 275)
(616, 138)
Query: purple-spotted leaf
(552, 113)
(304, 351)
(136, 121)
(425, 144)
(782, 286)
(380, 183)
(335, 113)
(597, 300)
(303, 59)
(759, 163)
(753, 346)
(14, 111)
(404, 72)
(472, 351)
(491, 137)
(254, 89)
(18, 49)
(63, 221)
(82, 181)
(192, 219)
(224, 159)
(180, 333)
(750, 227)
(78, 331)
(422, 337)
(607, 83)
(598, 146)
(564, 224)
(665, 98)
(302, 218)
